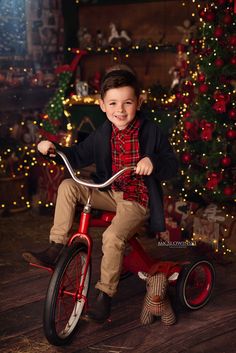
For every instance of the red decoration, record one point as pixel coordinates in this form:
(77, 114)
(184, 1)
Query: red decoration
(201, 77)
(218, 32)
(202, 14)
(207, 130)
(227, 19)
(188, 125)
(186, 157)
(209, 16)
(226, 161)
(203, 88)
(73, 64)
(186, 115)
(187, 99)
(232, 114)
(213, 180)
(231, 134)
(179, 96)
(221, 102)
(233, 60)
(220, 2)
(228, 191)
(207, 51)
(232, 40)
(193, 42)
(219, 62)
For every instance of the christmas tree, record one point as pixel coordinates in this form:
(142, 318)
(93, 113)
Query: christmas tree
(52, 118)
(205, 137)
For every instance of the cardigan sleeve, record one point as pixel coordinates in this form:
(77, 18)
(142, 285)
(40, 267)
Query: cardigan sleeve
(81, 155)
(163, 158)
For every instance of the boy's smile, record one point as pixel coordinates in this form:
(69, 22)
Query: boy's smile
(120, 105)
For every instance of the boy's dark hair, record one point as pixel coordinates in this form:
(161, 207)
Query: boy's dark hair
(116, 78)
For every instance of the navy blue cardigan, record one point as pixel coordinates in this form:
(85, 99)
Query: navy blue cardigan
(96, 148)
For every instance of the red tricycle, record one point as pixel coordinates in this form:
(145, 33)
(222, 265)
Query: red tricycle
(67, 292)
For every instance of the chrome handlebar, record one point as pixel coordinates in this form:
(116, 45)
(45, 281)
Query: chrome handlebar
(86, 183)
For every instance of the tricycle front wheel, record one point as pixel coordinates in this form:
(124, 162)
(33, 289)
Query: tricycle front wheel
(64, 300)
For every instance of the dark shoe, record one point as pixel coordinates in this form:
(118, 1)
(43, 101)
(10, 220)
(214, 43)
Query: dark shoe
(101, 309)
(47, 258)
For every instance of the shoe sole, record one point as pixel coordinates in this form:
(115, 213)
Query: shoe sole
(30, 258)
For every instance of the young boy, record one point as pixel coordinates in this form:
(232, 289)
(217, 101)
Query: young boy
(126, 138)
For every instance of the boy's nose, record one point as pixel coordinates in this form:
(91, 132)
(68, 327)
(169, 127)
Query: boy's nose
(120, 108)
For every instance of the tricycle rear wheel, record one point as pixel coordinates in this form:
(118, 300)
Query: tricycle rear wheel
(195, 284)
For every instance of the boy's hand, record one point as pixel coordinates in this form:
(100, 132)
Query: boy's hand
(46, 147)
(144, 166)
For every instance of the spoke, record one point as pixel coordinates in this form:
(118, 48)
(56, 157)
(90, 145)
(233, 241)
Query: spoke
(69, 308)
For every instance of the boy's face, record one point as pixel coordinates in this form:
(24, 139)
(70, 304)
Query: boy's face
(120, 105)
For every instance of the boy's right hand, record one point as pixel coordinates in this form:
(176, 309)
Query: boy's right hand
(46, 147)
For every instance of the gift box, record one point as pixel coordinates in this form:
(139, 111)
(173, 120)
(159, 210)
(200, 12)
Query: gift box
(178, 209)
(216, 225)
(172, 232)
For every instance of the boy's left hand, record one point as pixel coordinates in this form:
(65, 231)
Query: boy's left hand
(144, 166)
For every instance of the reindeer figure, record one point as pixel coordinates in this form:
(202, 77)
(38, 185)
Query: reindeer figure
(156, 302)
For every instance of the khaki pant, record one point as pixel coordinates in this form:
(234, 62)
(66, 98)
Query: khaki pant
(129, 217)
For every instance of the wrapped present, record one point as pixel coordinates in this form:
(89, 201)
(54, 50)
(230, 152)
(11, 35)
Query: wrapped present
(172, 232)
(206, 231)
(178, 209)
(216, 225)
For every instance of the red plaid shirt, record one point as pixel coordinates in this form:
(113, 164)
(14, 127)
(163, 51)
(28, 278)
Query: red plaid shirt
(125, 153)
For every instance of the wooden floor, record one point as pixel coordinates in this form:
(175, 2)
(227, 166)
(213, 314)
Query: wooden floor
(209, 330)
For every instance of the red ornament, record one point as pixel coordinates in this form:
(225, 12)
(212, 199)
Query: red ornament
(209, 16)
(203, 88)
(179, 96)
(187, 99)
(188, 125)
(202, 13)
(220, 2)
(232, 40)
(232, 114)
(186, 157)
(201, 77)
(207, 130)
(186, 115)
(227, 19)
(193, 42)
(218, 32)
(226, 161)
(207, 51)
(221, 101)
(186, 136)
(233, 60)
(231, 134)
(219, 62)
(228, 191)
(213, 180)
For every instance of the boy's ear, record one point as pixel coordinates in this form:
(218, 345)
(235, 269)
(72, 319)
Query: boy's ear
(140, 102)
(102, 105)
